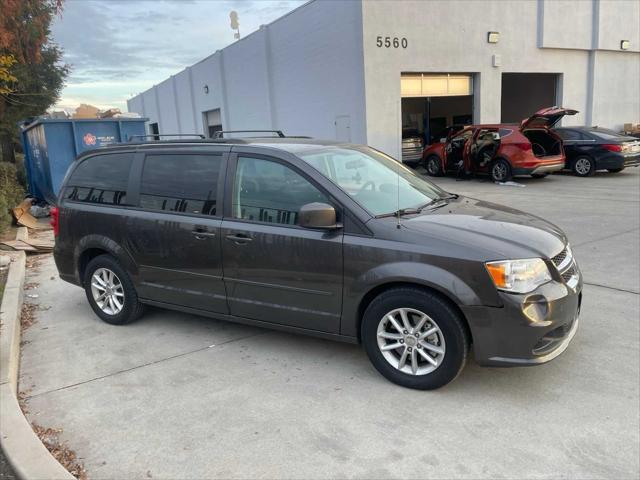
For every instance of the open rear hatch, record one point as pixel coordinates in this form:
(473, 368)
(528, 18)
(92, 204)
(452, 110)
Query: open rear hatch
(546, 118)
(536, 128)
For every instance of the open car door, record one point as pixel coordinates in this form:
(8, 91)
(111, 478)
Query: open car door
(546, 118)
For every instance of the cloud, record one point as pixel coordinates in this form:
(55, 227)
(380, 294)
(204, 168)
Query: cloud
(119, 48)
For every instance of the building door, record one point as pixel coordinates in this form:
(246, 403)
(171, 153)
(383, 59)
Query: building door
(154, 130)
(212, 122)
(526, 93)
(343, 128)
(431, 102)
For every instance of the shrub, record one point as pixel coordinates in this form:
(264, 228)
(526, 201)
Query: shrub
(11, 192)
(21, 171)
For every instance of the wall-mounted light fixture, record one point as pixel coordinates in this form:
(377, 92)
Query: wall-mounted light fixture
(493, 37)
(625, 44)
(206, 89)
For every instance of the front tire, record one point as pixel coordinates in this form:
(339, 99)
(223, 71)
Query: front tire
(414, 338)
(433, 165)
(583, 167)
(110, 291)
(500, 171)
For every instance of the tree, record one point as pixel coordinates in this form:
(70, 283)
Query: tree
(31, 72)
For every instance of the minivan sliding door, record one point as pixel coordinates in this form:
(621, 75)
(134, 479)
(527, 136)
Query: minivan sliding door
(175, 234)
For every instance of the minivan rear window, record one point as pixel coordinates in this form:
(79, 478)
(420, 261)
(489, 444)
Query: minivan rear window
(180, 183)
(101, 179)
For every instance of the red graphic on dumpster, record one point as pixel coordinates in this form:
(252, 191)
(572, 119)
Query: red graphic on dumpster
(89, 139)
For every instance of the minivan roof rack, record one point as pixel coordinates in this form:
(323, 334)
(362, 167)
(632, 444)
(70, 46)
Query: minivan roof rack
(220, 134)
(156, 136)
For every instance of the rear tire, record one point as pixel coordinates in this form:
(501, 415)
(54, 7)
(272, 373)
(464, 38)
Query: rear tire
(433, 165)
(110, 291)
(447, 347)
(500, 170)
(615, 170)
(583, 167)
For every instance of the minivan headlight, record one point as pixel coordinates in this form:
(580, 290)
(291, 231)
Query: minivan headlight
(519, 276)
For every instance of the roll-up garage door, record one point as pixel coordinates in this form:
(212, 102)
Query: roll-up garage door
(435, 85)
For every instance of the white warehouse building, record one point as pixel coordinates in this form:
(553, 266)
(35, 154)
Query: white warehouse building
(361, 71)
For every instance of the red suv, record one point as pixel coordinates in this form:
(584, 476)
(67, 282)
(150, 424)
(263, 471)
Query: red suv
(501, 150)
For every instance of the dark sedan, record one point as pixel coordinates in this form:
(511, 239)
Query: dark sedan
(593, 148)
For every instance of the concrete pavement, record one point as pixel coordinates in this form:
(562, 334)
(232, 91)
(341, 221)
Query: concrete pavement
(180, 396)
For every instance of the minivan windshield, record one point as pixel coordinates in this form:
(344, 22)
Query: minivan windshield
(376, 181)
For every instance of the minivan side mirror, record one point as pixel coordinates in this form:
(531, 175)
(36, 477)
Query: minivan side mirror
(318, 215)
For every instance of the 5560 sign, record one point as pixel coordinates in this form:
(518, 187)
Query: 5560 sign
(391, 42)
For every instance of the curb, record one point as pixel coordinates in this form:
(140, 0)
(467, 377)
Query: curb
(28, 457)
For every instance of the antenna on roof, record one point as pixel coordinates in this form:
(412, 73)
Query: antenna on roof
(235, 25)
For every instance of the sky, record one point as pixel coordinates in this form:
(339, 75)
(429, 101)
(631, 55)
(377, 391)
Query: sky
(119, 48)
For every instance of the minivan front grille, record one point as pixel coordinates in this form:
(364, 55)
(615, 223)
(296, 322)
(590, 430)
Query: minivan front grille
(557, 260)
(566, 266)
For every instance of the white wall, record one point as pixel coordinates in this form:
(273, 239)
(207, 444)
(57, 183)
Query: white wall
(566, 24)
(616, 89)
(297, 74)
(187, 120)
(317, 69)
(321, 62)
(618, 20)
(451, 37)
(167, 112)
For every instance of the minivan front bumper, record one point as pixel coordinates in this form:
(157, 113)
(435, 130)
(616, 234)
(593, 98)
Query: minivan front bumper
(528, 329)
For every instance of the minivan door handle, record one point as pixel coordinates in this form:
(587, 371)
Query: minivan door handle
(239, 238)
(201, 233)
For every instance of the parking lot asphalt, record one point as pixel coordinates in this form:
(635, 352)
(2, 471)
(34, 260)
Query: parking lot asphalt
(180, 396)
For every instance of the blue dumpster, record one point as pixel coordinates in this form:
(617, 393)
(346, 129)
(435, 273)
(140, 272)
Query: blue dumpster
(50, 145)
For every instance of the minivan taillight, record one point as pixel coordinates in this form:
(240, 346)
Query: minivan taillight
(612, 148)
(54, 213)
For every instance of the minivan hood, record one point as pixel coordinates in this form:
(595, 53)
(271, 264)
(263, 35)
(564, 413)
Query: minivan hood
(493, 229)
(547, 117)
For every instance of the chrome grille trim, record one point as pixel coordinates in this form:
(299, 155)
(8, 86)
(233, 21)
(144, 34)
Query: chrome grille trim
(563, 260)
(567, 268)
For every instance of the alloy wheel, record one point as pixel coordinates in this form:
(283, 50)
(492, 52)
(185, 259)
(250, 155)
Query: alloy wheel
(411, 341)
(499, 171)
(583, 166)
(432, 166)
(107, 291)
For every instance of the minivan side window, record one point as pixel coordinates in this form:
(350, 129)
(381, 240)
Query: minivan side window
(185, 183)
(101, 179)
(267, 191)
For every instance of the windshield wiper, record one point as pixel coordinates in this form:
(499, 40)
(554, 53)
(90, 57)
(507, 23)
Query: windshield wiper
(416, 210)
(451, 196)
(399, 213)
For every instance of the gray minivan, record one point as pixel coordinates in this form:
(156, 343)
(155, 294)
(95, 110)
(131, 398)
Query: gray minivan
(329, 239)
